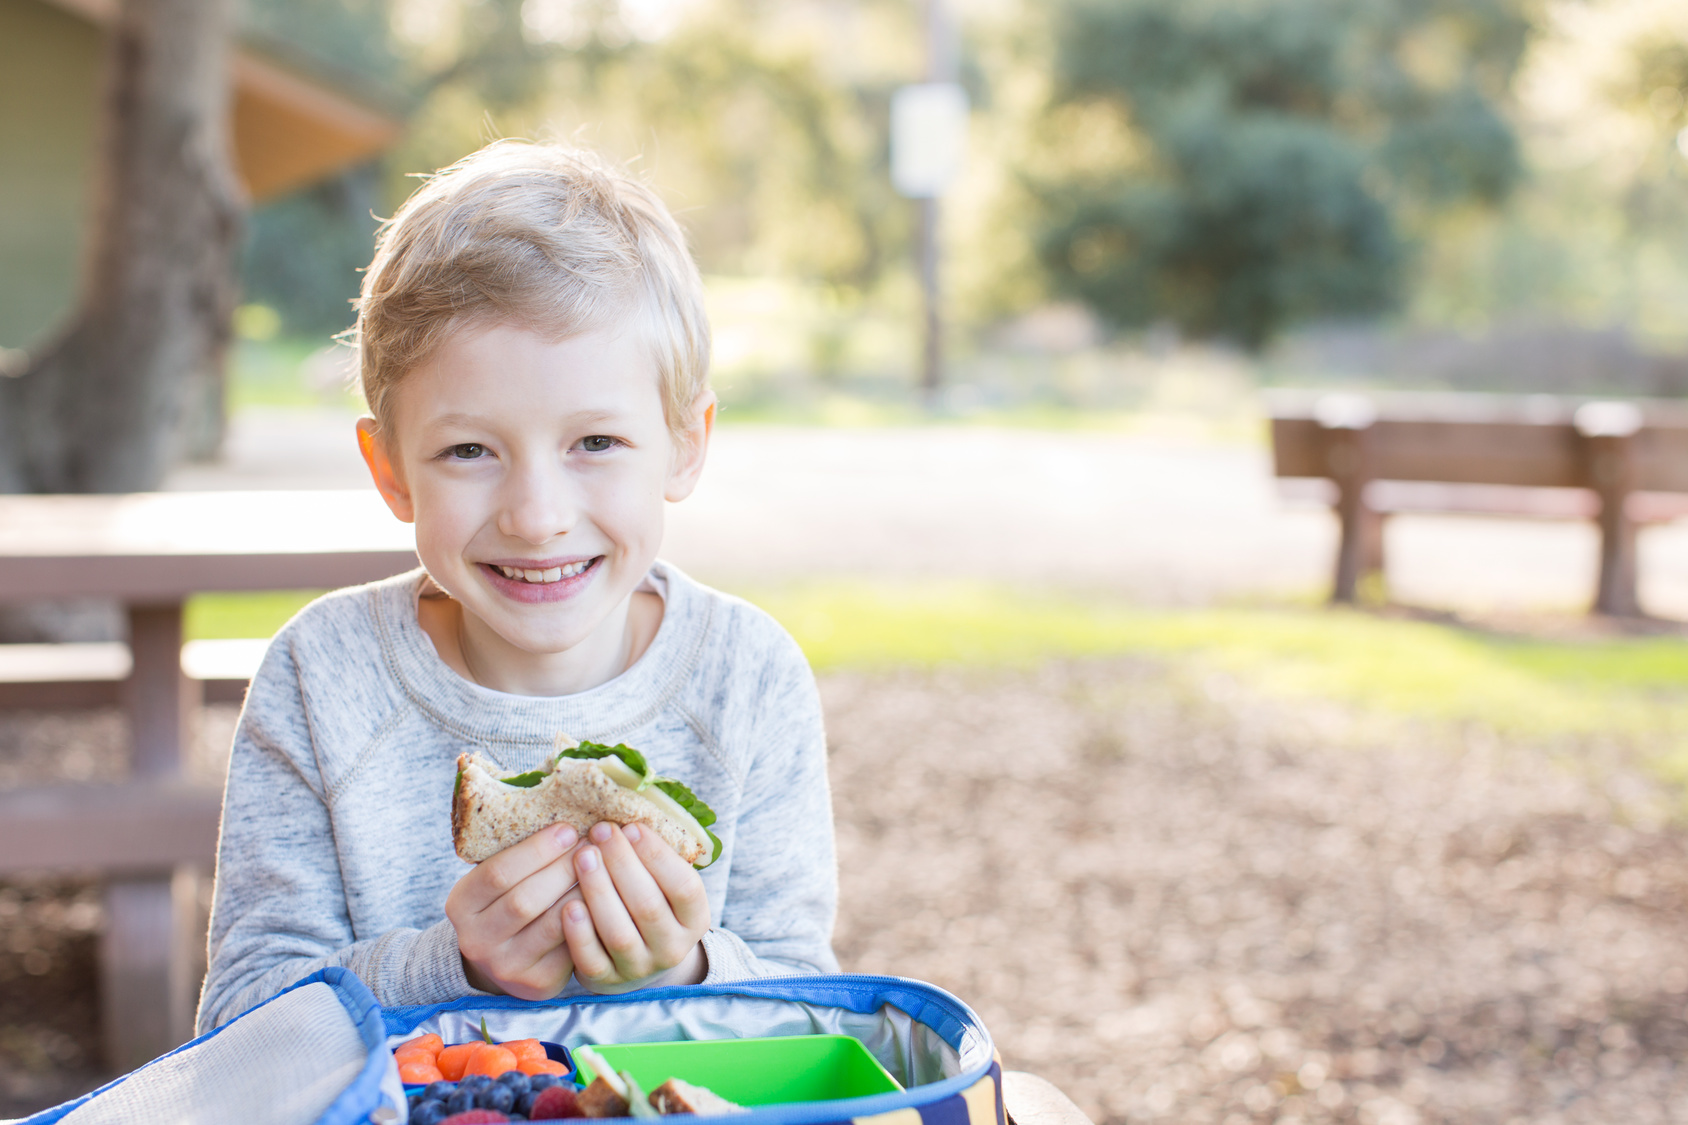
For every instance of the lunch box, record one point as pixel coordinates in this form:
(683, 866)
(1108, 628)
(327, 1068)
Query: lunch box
(753, 1072)
(321, 1052)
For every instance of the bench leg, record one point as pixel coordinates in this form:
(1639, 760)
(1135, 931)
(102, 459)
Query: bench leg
(147, 951)
(1612, 469)
(1347, 456)
(147, 958)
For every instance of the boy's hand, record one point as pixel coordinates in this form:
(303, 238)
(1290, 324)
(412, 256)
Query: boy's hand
(508, 912)
(643, 915)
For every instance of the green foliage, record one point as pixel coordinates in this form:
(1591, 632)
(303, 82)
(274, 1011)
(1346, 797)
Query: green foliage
(1267, 154)
(304, 252)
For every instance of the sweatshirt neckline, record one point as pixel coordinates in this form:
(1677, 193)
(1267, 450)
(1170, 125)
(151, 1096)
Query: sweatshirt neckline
(606, 713)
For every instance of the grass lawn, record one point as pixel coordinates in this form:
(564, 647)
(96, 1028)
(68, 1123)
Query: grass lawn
(1630, 688)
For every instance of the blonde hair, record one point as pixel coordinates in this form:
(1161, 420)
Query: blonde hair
(553, 239)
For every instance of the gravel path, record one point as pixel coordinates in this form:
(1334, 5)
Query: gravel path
(1181, 904)
(1176, 901)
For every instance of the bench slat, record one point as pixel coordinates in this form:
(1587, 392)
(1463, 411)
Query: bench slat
(137, 827)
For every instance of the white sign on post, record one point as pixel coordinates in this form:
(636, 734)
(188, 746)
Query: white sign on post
(928, 138)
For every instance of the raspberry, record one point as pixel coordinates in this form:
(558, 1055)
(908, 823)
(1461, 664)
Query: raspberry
(475, 1117)
(554, 1103)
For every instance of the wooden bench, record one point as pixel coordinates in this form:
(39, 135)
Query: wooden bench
(1621, 464)
(151, 833)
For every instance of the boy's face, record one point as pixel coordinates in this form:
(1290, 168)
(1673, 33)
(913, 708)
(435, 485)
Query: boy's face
(535, 472)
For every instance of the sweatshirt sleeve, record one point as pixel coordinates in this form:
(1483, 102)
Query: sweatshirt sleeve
(782, 891)
(279, 911)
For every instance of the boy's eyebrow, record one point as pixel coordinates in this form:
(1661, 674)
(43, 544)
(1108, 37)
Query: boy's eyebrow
(471, 420)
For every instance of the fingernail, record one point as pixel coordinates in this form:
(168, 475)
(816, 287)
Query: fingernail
(587, 860)
(565, 835)
(576, 912)
(601, 831)
(632, 832)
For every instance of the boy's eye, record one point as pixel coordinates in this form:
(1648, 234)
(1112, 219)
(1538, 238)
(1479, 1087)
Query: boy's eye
(597, 443)
(468, 451)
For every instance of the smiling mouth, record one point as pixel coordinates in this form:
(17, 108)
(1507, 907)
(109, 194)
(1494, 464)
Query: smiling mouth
(544, 577)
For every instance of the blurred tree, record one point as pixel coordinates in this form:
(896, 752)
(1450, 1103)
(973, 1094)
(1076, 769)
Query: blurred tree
(103, 409)
(1258, 162)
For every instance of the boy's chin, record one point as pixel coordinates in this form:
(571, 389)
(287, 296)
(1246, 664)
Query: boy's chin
(567, 630)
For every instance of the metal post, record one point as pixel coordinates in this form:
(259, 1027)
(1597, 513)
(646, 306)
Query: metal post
(932, 349)
(941, 66)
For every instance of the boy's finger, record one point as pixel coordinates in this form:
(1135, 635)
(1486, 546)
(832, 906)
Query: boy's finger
(591, 961)
(665, 935)
(531, 898)
(545, 977)
(617, 932)
(681, 885)
(544, 934)
(496, 877)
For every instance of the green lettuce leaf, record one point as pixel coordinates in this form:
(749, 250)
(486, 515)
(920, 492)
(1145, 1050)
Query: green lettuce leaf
(593, 750)
(525, 780)
(635, 761)
(688, 800)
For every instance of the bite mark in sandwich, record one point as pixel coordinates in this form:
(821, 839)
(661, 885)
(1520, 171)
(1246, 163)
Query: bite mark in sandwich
(585, 783)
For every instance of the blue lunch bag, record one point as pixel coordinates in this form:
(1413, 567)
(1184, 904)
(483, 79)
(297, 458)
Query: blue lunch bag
(321, 1053)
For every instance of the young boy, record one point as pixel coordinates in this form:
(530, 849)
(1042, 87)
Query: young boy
(534, 353)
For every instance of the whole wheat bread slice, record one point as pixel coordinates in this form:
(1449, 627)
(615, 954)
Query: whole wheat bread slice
(488, 816)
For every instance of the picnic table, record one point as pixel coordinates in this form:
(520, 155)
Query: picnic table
(149, 833)
(1623, 465)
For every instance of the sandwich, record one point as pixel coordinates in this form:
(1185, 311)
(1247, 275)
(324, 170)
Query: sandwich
(615, 1093)
(584, 783)
(679, 1096)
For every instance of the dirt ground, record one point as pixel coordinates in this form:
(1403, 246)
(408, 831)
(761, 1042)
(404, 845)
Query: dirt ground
(1178, 901)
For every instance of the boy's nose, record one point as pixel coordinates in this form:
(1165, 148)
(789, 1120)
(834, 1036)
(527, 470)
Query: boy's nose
(536, 508)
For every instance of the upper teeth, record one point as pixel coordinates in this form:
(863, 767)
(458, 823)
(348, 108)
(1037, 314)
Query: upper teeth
(552, 574)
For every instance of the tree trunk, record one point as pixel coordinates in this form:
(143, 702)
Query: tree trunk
(108, 407)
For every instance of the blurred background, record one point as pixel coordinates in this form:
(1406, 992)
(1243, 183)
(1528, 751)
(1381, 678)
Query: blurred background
(1249, 858)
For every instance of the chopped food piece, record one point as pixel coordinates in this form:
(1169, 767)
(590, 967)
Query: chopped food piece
(637, 1104)
(542, 1066)
(555, 1103)
(679, 1096)
(475, 1117)
(525, 1049)
(602, 1099)
(452, 1061)
(431, 1043)
(419, 1073)
(490, 1060)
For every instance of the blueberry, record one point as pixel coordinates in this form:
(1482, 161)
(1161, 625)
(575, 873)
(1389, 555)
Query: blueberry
(439, 1091)
(542, 1082)
(496, 1097)
(461, 1099)
(475, 1082)
(516, 1080)
(414, 1098)
(524, 1104)
(430, 1112)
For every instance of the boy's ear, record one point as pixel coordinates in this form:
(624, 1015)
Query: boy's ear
(389, 482)
(690, 447)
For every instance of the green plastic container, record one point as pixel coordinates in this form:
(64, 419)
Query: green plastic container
(773, 1071)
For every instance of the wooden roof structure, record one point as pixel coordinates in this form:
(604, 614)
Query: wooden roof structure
(290, 129)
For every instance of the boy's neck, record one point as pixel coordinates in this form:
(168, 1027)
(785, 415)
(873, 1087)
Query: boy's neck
(481, 656)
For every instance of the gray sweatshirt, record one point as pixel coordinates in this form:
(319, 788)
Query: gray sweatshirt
(336, 846)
